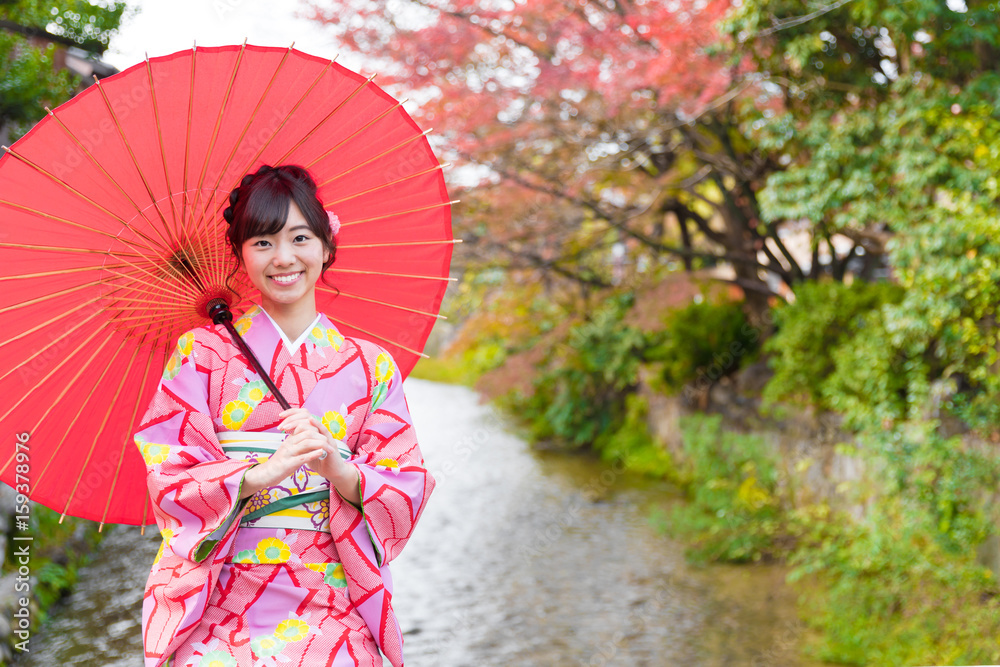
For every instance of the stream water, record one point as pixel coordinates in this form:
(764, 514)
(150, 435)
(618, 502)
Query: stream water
(521, 558)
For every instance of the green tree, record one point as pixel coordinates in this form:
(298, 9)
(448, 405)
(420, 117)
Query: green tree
(887, 116)
(31, 32)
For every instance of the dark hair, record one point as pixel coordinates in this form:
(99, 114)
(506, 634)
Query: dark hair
(260, 205)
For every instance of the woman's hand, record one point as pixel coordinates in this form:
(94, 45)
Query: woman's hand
(301, 447)
(344, 476)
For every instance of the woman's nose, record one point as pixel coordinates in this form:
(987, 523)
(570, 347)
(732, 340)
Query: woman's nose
(283, 254)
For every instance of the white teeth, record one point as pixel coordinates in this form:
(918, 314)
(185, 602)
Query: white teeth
(285, 279)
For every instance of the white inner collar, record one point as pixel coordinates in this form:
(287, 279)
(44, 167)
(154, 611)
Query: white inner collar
(289, 345)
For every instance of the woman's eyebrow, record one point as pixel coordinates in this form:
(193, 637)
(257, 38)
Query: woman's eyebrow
(292, 229)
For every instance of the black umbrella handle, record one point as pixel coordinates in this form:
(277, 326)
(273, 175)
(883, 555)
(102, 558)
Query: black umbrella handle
(219, 311)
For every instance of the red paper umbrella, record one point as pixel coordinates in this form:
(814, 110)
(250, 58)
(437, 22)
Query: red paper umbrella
(112, 243)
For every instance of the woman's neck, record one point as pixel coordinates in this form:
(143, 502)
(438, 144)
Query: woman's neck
(291, 318)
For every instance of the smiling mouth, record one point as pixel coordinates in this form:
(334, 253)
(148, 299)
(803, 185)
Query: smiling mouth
(286, 279)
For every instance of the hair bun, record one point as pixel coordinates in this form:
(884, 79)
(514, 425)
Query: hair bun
(234, 194)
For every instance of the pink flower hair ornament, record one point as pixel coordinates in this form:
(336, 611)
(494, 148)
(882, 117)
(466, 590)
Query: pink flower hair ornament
(334, 224)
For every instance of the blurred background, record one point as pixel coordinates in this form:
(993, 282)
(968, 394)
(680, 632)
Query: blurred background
(718, 383)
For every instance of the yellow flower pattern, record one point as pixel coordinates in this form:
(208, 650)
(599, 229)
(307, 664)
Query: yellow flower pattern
(388, 463)
(243, 324)
(292, 630)
(185, 344)
(384, 368)
(335, 424)
(335, 339)
(173, 366)
(167, 534)
(153, 452)
(253, 392)
(235, 414)
(333, 573)
(272, 550)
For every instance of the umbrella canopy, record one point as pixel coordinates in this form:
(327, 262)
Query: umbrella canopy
(112, 242)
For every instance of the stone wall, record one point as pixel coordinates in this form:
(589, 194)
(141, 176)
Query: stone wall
(20, 609)
(804, 444)
(812, 450)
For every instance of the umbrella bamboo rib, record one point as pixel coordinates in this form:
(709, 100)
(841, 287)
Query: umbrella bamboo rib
(389, 184)
(288, 116)
(117, 255)
(278, 129)
(78, 194)
(131, 430)
(399, 243)
(187, 141)
(153, 302)
(83, 367)
(54, 248)
(387, 151)
(186, 318)
(394, 214)
(69, 222)
(154, 285)
(236, 145)
(392, 275)
(53, 403)
(97, 164)
(330, 115)
(90, 394)
(145, 507)
(375, 335)
(159, 136)
(41, 299)
(191, 278)
(142, 176)
(50, 321)
(113, 237)
(253, 116)
(100, 430)
(44, 348)
(383, 303)
(60, 272)
(218, 123)
(356, 132)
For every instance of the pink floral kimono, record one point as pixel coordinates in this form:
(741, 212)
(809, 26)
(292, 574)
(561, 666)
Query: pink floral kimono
(294, 575)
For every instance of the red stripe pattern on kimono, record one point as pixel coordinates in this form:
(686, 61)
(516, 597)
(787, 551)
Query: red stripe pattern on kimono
(350, 385)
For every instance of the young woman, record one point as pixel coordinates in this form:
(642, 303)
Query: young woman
(278, 525)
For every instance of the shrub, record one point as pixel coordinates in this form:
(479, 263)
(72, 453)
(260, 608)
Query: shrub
(734, 512)
(580, 395)
(703, 342)
(811, 334)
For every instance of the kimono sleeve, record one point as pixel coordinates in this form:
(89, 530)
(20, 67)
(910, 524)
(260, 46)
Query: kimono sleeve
(395, 484)
(194, 487)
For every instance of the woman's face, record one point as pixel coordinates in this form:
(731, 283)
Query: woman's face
(285, 266)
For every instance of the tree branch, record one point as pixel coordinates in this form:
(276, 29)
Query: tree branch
(40, 33)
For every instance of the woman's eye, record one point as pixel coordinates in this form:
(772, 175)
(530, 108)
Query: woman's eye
(260, 243)
(302, 237)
